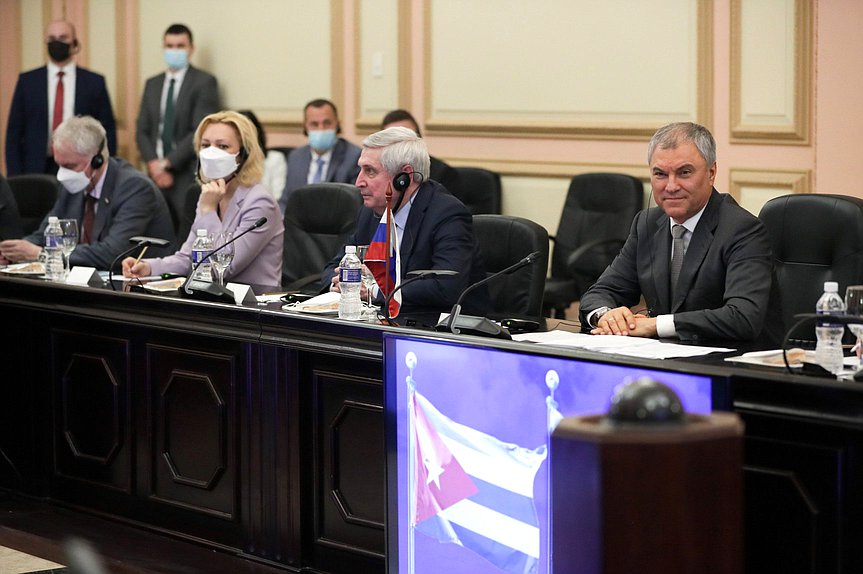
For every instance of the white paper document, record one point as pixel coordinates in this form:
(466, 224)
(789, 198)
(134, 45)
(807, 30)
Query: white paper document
(641, 347)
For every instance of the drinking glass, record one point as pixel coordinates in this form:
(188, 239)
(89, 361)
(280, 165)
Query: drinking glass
(222, 258)
(854, 307)
(368, 277)
(69, 228)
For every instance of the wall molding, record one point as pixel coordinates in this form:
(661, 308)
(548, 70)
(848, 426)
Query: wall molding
(791, 181)
(797, 130)
(550, 169)
(632, 127)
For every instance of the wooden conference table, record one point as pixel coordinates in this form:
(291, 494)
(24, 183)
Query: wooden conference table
(260, 432)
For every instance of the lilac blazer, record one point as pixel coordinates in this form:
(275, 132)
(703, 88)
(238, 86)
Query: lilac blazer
(257, 255)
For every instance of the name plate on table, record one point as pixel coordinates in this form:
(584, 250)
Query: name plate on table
(85, 276)
(243, 294)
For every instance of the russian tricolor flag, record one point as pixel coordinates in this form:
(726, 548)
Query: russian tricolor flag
(386, 267)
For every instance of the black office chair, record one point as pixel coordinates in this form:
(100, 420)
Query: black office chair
(593, 226)
(35, 194)
(503, 241)
(183, 221)
(480, 190)
(815, 238)
(319, 219)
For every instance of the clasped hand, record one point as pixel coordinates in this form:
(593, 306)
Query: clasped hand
(622, 321)
(334, 284)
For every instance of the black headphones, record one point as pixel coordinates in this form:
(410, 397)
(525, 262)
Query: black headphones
(97, 160)
(402, 181)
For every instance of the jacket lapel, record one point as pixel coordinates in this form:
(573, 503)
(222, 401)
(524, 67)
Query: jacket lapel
(661, 264)
(103, 213)
(700, 243)
(335, 160)
(414, 222)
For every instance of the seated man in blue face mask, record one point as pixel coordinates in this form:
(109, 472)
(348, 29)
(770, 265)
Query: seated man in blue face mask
(110, 199)
(327, 157)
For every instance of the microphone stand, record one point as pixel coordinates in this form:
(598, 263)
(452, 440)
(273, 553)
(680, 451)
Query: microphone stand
(417, 275)
(141, 244)
(207, 290)
(140, 241)
(481, 325)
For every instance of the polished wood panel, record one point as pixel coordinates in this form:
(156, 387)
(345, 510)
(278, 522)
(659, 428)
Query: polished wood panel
(260, 434)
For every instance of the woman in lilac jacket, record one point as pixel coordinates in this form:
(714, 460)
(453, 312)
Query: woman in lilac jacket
(230, 166)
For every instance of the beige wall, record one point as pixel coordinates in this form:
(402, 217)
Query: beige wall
(538, 91)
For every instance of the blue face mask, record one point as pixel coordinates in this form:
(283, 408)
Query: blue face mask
(322, 140)
(176, 59)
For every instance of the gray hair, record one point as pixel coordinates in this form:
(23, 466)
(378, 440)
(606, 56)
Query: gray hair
(84, 134)
(400, 146)
(673, 135)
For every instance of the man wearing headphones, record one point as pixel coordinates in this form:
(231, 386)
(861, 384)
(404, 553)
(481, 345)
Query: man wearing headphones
(46, 96)
(111, 200)
(327, 157)
(435, 230)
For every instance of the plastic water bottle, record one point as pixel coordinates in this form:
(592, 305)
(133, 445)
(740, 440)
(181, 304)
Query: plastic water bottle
(200, 249)
(350, 280)
(828, 350)
(54, 268)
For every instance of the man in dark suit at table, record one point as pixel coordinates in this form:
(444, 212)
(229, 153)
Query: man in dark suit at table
(46, 96)
(327, 157)
(173, 104)
(435, 229)
(111, 200)
(703, 264)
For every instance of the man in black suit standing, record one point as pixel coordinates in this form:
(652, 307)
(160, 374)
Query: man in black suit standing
(47, 96)
(173, 104)
(703, 264)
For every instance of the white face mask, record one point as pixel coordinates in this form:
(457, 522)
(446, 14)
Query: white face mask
(73, 181)
(217, 163)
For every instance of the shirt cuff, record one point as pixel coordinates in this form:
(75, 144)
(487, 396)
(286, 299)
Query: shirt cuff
(665, 326)
(590, 316)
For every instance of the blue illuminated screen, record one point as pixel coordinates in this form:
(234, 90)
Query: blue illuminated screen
(467, 449)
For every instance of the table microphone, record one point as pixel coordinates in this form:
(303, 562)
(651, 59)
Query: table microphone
(141, 241)
(416, 276)
(207, 290)
(480, 325)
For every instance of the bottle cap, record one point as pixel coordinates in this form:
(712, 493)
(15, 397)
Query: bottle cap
(53, 219)
(831, 287)
(201, 232)
(350, 249)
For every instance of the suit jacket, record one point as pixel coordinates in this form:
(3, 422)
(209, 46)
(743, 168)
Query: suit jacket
(198, 97)
(438, 235)
(10, 219)
(130, 205)
(257, 254)
(27, 132)
(726, 290)
(343, 167)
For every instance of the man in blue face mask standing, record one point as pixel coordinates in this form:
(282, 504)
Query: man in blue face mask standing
(327, 157)
(173, 104)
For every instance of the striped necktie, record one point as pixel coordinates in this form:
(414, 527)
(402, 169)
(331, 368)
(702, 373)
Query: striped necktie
(677, 253)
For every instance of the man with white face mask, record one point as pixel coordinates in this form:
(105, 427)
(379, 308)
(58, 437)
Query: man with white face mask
(111, 200)
(173, 104)
(327, 157)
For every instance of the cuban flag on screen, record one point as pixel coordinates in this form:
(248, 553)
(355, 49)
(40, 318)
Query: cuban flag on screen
(380, 263)
(474, 490)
